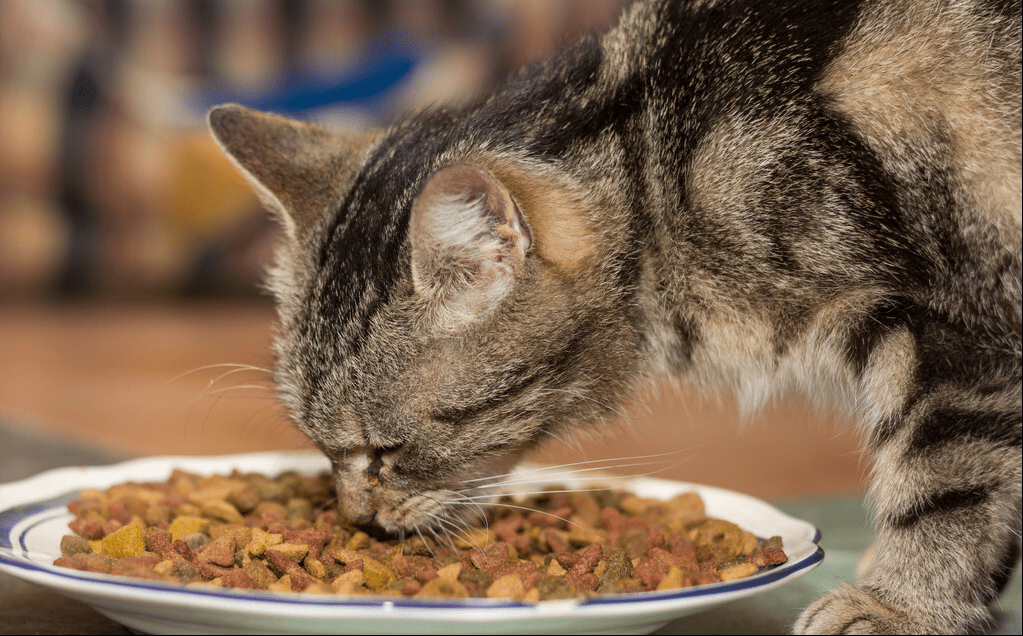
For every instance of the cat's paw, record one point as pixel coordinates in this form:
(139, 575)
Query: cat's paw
(853, 610)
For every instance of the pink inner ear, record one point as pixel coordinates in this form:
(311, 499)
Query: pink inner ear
(468, 237)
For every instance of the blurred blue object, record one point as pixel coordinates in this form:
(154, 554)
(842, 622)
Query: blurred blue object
(367, 84)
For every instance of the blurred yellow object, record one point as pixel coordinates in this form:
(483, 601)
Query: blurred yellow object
(205, 192)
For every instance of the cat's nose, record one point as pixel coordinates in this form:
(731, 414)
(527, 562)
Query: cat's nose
(364, 518)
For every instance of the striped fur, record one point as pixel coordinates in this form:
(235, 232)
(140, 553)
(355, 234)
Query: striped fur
(822, 196)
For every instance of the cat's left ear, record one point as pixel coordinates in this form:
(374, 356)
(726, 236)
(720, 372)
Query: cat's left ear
(297, 169)
(469, 242)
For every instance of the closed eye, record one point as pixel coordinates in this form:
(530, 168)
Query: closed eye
(457, 415)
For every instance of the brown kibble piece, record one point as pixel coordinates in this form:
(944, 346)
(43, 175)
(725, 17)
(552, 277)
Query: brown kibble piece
(767, 558)
(682, 548)
(245, 499)
(476, 581)
(219, 552)
(88, 528)
(85, 562)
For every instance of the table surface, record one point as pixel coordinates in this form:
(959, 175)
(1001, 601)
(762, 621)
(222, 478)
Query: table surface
(844, 525)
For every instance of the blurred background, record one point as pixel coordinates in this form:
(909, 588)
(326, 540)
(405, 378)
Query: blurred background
(131, 315)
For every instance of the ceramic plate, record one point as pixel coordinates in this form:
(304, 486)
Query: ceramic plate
(33, 518)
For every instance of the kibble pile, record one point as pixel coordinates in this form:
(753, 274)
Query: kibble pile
(284, 535)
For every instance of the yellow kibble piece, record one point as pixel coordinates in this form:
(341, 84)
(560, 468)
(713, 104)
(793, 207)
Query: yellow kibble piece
(216, 487)
(749, 542)
(261, 540)
(359, 541)
(476, 538)
(164, 568)
(672, 580)
(128, 541)
(450, 571)
(294, 551)
(377, 574)
(319, 588)
(634, 505)
(443, 588)
(737, 571)
(185, 525)
(555, 569)
(316, 568)
(97, 545)
(282, 584)
(349, 583)
(345, 556)
(580, 533)
(507, 586)
(220, 509)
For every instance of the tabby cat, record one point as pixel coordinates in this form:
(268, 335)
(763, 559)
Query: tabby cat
(820, 194)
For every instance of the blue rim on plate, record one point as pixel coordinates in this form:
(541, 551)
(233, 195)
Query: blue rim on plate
(34, 511)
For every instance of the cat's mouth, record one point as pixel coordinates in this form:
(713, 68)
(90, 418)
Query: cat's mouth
(383, 505)
(393, 513)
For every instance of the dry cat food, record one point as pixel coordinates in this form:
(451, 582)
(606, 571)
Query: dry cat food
(249, 531)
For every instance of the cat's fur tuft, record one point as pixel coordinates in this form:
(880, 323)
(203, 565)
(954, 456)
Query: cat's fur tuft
(819, 195)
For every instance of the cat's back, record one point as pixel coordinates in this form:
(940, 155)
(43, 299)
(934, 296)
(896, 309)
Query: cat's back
(933, 87)
(915, 104)
(940, 77)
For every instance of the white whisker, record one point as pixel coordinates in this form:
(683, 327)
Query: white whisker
(237, 367)
(560, 467)
(462, 497)
(527, 508)
(539, 480)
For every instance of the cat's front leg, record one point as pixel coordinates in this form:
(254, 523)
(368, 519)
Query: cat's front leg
(947, 499)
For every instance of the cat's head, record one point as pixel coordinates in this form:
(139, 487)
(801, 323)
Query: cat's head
(442, 308)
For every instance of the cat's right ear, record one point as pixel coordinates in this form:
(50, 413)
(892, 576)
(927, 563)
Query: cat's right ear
(298, 170)
(469, 242)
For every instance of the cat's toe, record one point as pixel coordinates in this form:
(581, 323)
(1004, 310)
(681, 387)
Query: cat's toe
(853, 610)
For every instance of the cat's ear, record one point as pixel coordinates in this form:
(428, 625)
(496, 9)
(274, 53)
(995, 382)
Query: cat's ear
(297, 169)
(469, 242)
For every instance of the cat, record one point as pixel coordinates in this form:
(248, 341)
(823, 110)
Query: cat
(818, 194)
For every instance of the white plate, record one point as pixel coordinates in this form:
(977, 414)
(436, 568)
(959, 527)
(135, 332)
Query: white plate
(33, 518)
